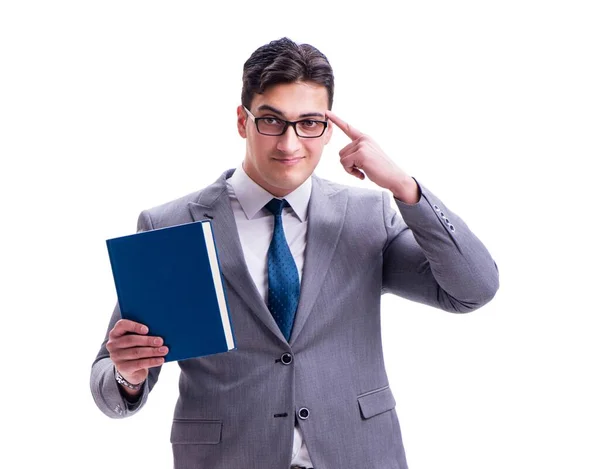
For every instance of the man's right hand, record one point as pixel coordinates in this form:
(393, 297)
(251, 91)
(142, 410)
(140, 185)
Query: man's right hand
(133, 352)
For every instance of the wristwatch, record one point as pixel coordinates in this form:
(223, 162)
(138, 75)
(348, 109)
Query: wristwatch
(127, 384)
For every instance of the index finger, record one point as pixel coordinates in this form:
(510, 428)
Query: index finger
(123, 326)
(346, 128)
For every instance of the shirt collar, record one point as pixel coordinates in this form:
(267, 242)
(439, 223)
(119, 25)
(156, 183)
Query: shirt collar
(253, 197)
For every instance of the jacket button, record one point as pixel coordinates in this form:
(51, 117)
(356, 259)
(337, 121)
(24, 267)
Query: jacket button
(303, 413)
(286, 358)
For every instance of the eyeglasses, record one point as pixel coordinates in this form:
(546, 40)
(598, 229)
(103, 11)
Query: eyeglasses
(273, 126)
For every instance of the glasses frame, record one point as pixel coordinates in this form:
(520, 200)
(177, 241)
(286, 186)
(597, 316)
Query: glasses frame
(287, 124)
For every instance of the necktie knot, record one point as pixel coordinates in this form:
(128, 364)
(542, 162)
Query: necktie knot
(275, 206)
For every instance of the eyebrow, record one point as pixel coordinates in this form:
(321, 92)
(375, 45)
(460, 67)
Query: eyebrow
(266, 107)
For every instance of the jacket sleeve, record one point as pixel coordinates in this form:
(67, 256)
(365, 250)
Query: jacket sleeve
(105, 389)
(432, 257)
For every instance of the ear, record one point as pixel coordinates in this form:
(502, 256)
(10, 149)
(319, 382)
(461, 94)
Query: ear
(242, 117)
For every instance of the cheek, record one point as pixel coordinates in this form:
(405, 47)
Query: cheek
(315, 148)
(258, 147)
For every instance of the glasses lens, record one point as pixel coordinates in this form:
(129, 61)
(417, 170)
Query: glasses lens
(310, 128)
(270, 126)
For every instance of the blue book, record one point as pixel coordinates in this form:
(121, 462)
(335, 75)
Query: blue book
(170, 280)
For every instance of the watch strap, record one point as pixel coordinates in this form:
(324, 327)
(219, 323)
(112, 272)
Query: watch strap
(123, 382)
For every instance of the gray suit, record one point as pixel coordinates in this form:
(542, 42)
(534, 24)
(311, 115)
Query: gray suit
(238, 409)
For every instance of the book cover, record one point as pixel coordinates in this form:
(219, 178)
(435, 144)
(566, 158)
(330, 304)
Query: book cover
(170, 280)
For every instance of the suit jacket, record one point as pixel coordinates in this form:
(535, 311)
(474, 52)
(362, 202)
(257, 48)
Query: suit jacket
(238, 409)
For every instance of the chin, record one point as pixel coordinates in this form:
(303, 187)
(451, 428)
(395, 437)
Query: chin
(287, 182)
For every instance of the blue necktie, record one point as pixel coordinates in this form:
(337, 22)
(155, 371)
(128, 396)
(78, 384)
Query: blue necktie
(284, 283)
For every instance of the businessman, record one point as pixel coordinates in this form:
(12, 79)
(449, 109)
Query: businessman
(305, 262)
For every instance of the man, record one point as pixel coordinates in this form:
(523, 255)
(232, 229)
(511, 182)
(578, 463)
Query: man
(305, 262)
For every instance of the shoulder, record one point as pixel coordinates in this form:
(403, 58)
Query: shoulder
(177, 211)
(363, 213)
(177, 208)
(357, 196)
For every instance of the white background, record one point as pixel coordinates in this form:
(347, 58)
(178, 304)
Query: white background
(108, 108)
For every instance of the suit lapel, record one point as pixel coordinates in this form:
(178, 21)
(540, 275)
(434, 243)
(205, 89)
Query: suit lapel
(326, 213)
(214, 204)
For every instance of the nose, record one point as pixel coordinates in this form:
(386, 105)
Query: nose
(289, 142)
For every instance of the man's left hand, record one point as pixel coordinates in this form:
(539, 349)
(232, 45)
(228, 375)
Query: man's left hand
(362, 156)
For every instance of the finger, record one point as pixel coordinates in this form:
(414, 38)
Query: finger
(346, 128)
(131, 366)
(350, 148)
(350, 165)
(137, 353)
(354, 171)
(124, 326)
(133, 340)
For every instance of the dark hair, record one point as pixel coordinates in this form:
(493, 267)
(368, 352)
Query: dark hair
(284, 61)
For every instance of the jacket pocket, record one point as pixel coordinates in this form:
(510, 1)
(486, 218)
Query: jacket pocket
(196, 432)
(376, 402)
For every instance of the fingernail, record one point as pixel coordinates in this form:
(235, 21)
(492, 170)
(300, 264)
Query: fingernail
(162, 349)
(144, 329)
(157, 341)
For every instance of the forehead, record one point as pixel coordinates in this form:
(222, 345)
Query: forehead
(294, 99)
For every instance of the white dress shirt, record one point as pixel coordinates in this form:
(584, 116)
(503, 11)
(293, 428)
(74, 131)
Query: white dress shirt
(255, 228)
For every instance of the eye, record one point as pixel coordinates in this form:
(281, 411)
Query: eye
(309, 124)
(272, 121)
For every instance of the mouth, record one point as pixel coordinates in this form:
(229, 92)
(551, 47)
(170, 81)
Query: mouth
(289, 161)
